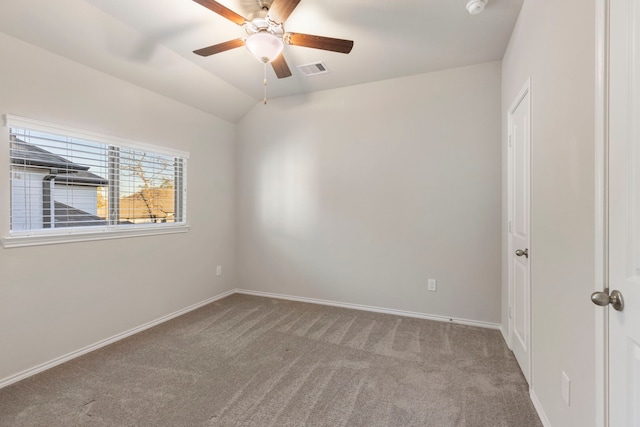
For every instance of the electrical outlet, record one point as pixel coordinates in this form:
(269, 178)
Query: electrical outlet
(566, 388)
(219, 270)
(432, 285)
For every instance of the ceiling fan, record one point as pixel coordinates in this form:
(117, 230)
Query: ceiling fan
(266, 36)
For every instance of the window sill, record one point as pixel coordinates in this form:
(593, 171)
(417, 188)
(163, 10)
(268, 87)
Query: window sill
(78, 235)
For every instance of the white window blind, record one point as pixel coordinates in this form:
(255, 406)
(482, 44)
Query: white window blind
(67, 181)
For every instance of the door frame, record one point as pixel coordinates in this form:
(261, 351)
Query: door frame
(524, 91)
(601, 165)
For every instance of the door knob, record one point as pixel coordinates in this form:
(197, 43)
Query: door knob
(603, 299)
(521, 252)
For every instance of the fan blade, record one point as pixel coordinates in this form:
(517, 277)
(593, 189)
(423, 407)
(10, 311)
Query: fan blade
(222, 11)
(281, 9)
(319, 42)
(220, 47)
(280, 67)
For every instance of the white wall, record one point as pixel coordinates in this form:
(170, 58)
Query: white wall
(360, 194)
(26, 199)
(57, 299)
(554, 43)
(81, 197)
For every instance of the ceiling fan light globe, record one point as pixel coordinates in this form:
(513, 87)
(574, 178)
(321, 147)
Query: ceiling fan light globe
(265, 47)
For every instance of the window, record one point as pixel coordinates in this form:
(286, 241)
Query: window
(66, 182)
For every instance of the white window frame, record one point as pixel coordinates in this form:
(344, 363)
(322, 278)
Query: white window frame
(12, 239)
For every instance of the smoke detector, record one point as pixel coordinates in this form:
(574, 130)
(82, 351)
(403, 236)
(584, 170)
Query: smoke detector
(475, 7)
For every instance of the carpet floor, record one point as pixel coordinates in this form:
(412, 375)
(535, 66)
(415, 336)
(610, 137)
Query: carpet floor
(252, 361)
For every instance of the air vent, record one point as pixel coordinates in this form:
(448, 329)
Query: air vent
(314, 69)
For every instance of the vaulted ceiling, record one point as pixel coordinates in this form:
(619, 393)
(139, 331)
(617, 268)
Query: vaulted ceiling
(150, 43)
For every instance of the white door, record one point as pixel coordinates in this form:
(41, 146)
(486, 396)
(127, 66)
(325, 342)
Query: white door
(519, 182)
(624, 213)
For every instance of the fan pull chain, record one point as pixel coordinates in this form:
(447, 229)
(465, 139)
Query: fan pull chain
(265, 83)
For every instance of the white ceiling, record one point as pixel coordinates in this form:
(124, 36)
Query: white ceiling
(150, 43)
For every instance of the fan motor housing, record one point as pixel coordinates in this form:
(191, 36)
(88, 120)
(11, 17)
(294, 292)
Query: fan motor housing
(257, 25)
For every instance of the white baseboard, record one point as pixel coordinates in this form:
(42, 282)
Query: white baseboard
(372, 308)
(539, 410)
(59, 360)
(505, 336)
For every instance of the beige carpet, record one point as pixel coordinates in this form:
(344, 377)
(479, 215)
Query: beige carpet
(250, 361)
